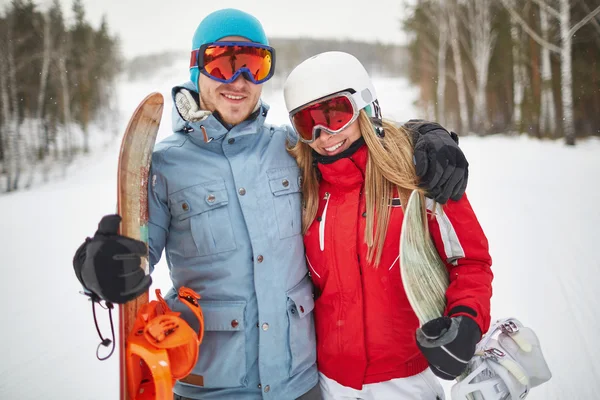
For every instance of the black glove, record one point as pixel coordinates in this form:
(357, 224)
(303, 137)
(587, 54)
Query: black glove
(440, 164)
(109, 265)
(448, 343)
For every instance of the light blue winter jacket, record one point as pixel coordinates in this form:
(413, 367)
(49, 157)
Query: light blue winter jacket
(227, 214)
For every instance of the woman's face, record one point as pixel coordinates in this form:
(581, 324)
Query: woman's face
(330, 145)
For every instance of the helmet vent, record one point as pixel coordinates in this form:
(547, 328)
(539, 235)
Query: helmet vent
(367, 96)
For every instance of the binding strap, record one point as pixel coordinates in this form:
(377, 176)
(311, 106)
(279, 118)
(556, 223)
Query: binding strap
(162, 347)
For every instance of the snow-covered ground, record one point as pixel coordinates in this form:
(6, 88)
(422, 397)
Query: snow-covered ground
(537, 202)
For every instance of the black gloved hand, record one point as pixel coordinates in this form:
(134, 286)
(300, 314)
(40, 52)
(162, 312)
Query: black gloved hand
(109, 265)
(448, 343)
(440, 164)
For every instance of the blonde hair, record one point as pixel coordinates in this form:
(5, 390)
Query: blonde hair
(389, 168)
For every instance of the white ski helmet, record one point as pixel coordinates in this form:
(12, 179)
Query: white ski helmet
(324, 74)
(507, 364)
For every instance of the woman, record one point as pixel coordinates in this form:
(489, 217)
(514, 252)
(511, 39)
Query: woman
(357, 170)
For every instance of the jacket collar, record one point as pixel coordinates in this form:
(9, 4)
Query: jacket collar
(348, 171)
(193, 121)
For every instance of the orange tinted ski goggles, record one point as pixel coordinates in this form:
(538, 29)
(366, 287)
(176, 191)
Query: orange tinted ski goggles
(225, 61)
(332, 113)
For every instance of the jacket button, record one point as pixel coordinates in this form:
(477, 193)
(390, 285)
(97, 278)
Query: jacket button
(285, 183)
(267, 388)
(364, 214)
(185, 206)
(265, 326)
(211, 198)
(242, 191)
(234, 323)
(231, 141)
(260, 259)
(319, 219)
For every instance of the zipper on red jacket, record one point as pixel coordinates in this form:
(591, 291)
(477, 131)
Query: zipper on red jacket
(322, 223)
(310, 266)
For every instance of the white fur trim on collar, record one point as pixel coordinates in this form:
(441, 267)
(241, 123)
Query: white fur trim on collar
(188, 108)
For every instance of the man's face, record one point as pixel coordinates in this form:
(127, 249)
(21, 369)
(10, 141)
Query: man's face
(234, 101)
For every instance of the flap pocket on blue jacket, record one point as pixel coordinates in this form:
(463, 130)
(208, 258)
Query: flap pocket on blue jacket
(198, 199)
(301, 296)
(284, 180)
(223, 315)
(285, 184)
(222, 359)
(302, 327)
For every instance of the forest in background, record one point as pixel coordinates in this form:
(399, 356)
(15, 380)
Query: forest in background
(482, 66)
(523, 66)
(56, 80)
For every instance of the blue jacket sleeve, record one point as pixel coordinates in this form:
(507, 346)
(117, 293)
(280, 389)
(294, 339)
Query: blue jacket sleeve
(291, 135)
(159, 214)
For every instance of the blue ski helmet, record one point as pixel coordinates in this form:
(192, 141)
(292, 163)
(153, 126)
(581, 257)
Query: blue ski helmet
(223, 23)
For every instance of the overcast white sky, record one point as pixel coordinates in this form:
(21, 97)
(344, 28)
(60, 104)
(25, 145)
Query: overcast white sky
(153, 25)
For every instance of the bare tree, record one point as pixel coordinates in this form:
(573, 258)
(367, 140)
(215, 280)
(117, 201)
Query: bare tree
(563, 14)
(35, 150)
(6, 128)
(483, 39)
(463, 106)
(10, 110)
(547, 107)
(519, 74)
(66, 103)
(594, 21)
(441, 21)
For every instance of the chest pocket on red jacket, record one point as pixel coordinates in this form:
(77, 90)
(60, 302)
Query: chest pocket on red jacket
(285, 186)
(202, 219)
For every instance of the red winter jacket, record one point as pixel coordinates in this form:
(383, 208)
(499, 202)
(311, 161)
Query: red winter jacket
(364, 323)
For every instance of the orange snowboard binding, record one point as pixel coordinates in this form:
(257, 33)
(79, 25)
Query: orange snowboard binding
(162, 347)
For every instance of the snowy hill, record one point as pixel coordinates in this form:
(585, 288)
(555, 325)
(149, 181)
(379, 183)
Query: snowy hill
(535, 200)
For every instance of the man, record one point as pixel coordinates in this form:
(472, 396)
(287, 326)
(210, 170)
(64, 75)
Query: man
(225, 205)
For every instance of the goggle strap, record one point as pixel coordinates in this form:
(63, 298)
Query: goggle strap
(359, 99)
(194, 58)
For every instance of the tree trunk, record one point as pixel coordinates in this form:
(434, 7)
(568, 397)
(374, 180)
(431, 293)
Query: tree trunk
(547, 107)
(66, 103)
(7, 134)
(566, 73)
(38, 149)
(441, 59)
(482, 44)
(518, 76)
(458, 71)
(13, 155)
(425, 102)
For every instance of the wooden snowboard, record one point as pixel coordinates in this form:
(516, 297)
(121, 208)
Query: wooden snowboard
(424, 275)
(132, 186)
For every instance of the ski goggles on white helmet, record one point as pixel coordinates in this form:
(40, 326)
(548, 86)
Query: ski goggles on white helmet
(327, 92)
(332, 113)
(508, 363)
(225, 61)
